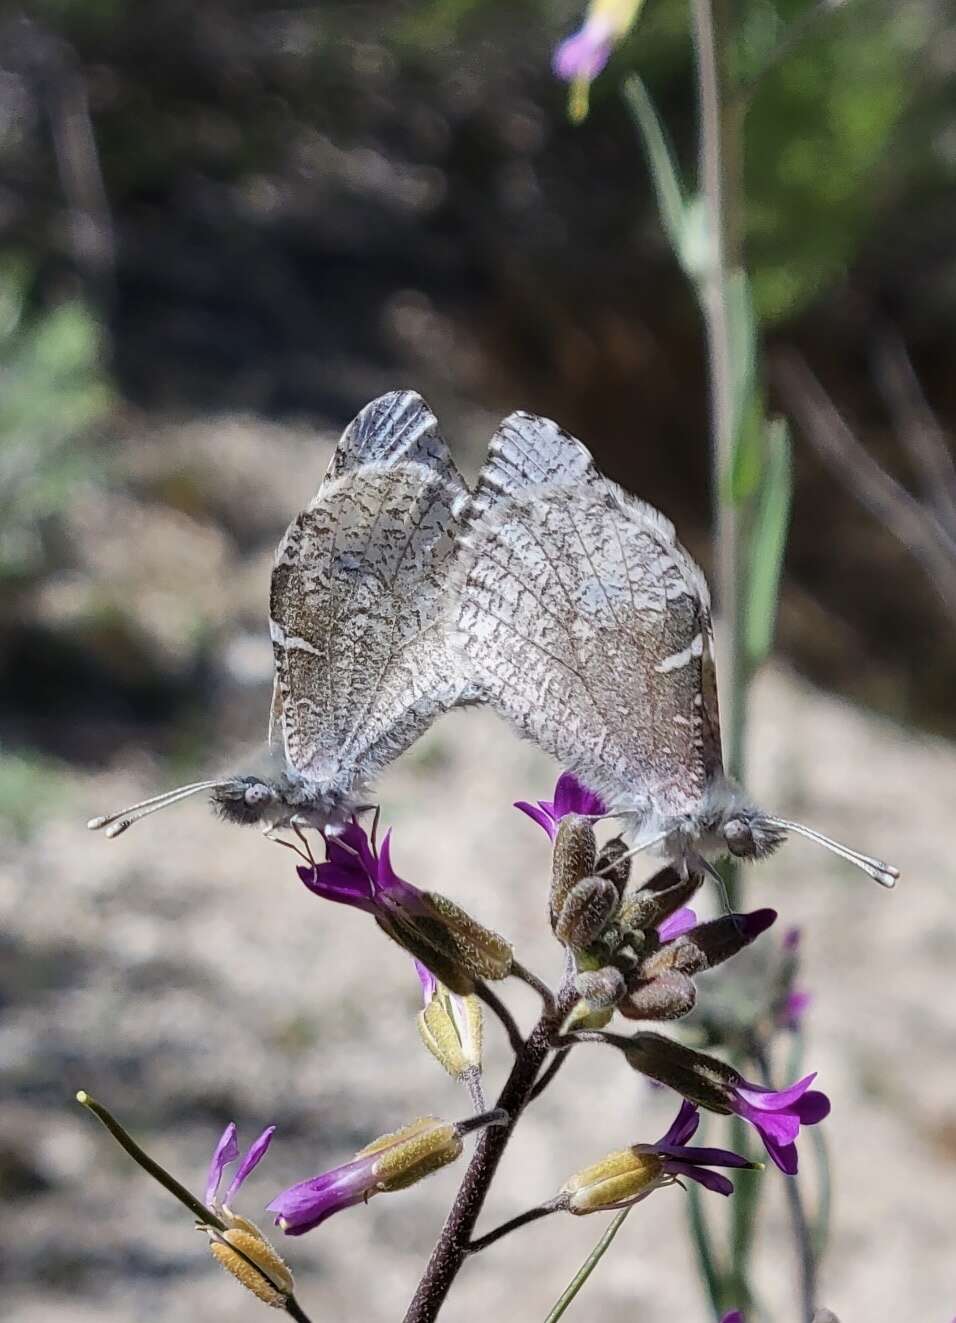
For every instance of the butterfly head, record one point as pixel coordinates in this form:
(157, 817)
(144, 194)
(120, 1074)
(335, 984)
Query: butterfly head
(750, 834)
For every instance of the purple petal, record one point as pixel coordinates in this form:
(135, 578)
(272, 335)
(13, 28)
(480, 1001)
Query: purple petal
(812, 1107)
(428, 981)
(713, 1157)
(795, 1007)
(791, 939)
(584, 54)
(254, 1156)
(676, 924)
(756, 922)
(735, 1316)
(570, 796)
(783, 1156)
(304, 1206)
(684, 1125)
(774, 1100)
(345, 885)
(540, 814)
(227, 1150)
(711, 1180)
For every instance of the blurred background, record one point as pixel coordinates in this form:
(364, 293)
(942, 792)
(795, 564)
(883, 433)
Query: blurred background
(224, 228)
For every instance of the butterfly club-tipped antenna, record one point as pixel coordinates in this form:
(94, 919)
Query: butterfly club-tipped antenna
(238, 799)
(885, 874)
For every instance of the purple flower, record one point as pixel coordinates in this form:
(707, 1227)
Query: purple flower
(677, 924)
(357, 873)
(428, 981)
(778, 1114)
(227, 1151)
(679, 1160)
(735, 1316)
(795, 1005)
(585, 53)
(390, 1163)
(570, 796)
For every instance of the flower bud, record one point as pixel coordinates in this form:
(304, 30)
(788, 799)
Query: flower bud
(451, 1029)
(244, 1251)
(614, 862)
(701, 1079)
(410, 1154)
(587, 909)
(666, 997)
(453, 945)
(600, 988)
(619, 1179)
(574, 857)
(658, 898)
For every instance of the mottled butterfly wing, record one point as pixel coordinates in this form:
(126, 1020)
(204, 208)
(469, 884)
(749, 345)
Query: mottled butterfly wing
(588, 626)
(362, 664)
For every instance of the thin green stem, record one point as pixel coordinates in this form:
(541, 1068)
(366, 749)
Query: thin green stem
(704, 1248)
(743, 1223)
(158, 1173)
(587, 1267)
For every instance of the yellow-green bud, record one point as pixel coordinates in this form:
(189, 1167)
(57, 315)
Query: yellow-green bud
(245, 1253)
(415, 1151)
(618, 1180)
(451, 1029)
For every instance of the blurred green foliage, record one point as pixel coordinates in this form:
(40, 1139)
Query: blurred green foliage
(52, 391)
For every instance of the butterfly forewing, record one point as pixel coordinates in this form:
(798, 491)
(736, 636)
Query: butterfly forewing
(588, 626)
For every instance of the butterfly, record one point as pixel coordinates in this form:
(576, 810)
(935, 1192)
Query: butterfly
(362, 660)
(580, 618)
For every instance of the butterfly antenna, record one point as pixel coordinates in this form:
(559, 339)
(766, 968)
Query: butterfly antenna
(880, 872)
(117, 823)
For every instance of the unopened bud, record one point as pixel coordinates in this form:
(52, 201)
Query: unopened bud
(244, 1251)
(658, 898)
(614, 862)
(415, 1151)
(451, 1029)
(618, 1180)
(600, 988)
(453, 945)
(722, 938)
(588, 908)
(666, 997)
(574, 857)
(699, 1078)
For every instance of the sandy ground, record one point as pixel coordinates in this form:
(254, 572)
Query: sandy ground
(184, 976)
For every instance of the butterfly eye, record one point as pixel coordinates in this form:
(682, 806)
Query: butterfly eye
(739, 838)
(257, 795)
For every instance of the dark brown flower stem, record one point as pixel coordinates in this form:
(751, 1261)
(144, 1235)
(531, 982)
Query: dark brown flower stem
(522, 1220)
(456, 1236)
(497, 1006)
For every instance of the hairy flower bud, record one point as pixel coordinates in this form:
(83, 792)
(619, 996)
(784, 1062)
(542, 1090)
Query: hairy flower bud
(588, 907)
(574, 857)
(702, 1079)
(244, 1251)
(600, 988)
(451, 1029)
(614, 862)
(449, 942)
(666, 997)
(410, 1154)
(658, 898)
(619, 1179)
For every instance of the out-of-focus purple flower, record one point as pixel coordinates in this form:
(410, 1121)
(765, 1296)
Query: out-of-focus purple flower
(794, 1001)
(227, 1151)
(570, 796)
(390, 1163)
(778, 1114)
(357, 873)
(794, 1008)
(676, 924)
(735, 1316)
(581, 57)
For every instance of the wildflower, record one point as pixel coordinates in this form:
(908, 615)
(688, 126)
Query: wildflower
(629, 1175)
(792, 1004)
(735, 1316)
(242, 1249)
(778, 1114)
(677, 924)
(390, 1163)
(570, 796)
(454, 946)
(581, 57)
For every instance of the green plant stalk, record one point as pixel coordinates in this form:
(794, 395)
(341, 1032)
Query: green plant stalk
(586, 1268)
